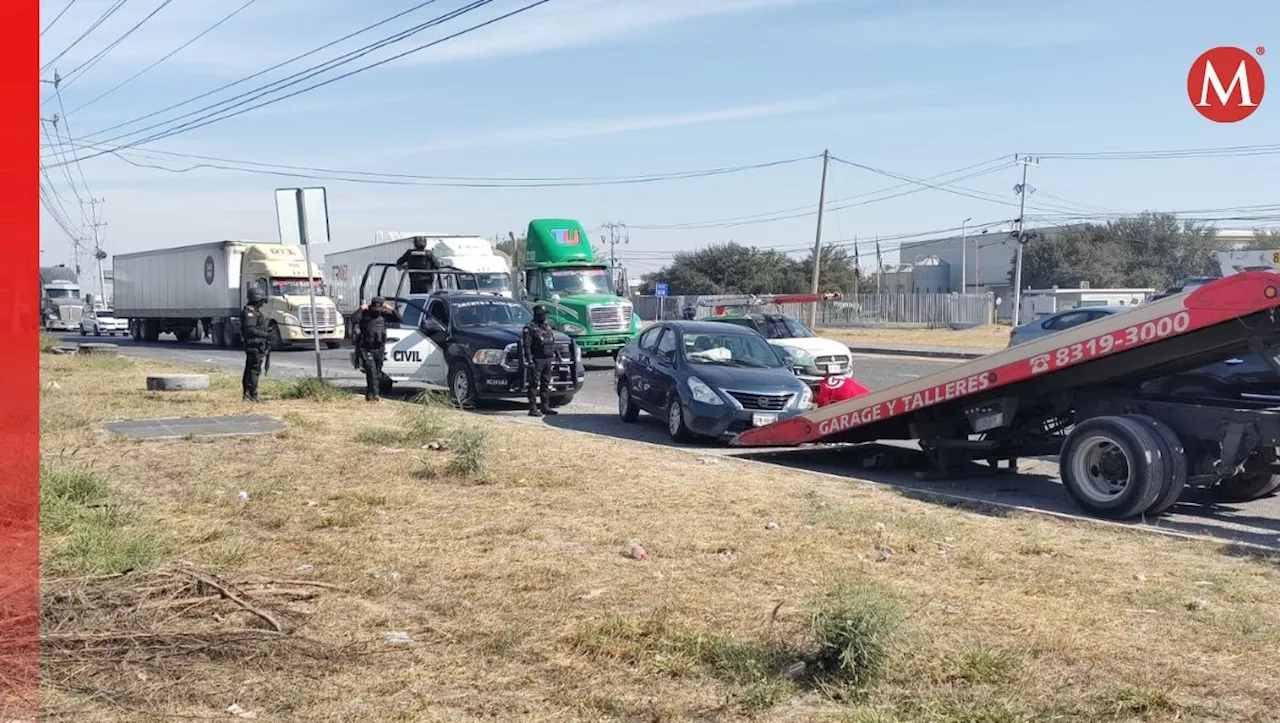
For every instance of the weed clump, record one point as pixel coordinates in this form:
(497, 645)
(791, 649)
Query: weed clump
(86, 532)
(311, 388)
(470, 446)
(853, 629)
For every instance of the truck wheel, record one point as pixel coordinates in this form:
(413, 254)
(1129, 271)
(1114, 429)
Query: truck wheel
(277, 341)
(151, 331)
(627, 408)
(1175, 464)
(1248, 486)
(332, 344)
(228, 336)
(1111, 467)
(676, 427)
(462, 387)
(559, 400)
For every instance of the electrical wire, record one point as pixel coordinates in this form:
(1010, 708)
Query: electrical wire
(170, 54)
(1176, 153)
(260, 73)
(213, 117)
(57, 17)
(109, 12)
(87, 65)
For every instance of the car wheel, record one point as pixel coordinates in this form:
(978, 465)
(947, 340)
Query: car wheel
(83, 332)
(1248, 486)
(559, 400)
(627, 408)
(676, 427)
(461, 385)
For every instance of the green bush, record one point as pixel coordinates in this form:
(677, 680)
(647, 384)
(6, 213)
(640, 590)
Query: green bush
(853, 629)
(470, 447)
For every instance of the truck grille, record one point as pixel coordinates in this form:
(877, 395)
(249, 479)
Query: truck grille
(762, 402)
(70, 313)
(839, 359)
(613, 317)
(326, 318)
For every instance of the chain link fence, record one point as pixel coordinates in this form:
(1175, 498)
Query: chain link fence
(955, 311)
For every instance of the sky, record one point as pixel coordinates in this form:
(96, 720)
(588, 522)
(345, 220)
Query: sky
(638, 89)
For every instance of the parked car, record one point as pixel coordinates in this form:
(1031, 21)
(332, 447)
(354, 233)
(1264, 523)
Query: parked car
(707, 379)
(815, 358)
(1060, 321)
(102, 321)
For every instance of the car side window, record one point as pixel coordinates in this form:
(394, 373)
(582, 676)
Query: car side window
(440, 312)
(667, 346)
(650, 338)
(412, 315)
(1066, 321)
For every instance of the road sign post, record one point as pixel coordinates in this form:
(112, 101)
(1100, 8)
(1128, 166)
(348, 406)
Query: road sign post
(660, 291)
(303, 217)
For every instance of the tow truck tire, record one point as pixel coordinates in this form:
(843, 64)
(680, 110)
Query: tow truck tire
(462, 385)
(627, 408)
(676, 427)
(560, 400)
(1175, 464)
(1112, 467)
(1248, 486)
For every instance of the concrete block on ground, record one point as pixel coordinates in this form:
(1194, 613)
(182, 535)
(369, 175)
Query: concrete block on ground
(177, 382)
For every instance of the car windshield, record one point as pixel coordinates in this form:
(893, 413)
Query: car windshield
(295, 287)
(489, 313)
(784, 327)
(577, 281)
(729, 349)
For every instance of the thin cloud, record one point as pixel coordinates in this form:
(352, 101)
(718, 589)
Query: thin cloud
(955, 30)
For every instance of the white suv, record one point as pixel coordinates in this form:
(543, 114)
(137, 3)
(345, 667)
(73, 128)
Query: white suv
(102, 321)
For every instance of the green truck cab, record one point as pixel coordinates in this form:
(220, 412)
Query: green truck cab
(579, 293)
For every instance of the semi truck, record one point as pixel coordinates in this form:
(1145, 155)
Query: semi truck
(486, 269)
(199, 290)
(61, 306)
(1091, 395)
(581, 295)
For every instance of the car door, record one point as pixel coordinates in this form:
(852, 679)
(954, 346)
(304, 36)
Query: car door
(662, 368)
(635, 364)
(411, 352)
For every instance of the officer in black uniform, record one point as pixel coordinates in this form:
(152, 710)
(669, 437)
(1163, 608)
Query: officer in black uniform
(418, 258)
(538, 349)
(256, 334)
(371, 339)
(689, 312)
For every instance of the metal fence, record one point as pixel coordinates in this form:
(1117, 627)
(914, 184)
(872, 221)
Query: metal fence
(863, 310)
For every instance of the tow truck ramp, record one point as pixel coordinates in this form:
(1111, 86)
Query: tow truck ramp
(1087, 395)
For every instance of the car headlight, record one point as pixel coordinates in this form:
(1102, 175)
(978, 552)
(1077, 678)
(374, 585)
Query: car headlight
(806, 397)
(703, 393)
(489, 357)
(799, 356)
(574, 329)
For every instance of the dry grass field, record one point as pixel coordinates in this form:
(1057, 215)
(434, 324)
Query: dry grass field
(400, 562)
(980, 338)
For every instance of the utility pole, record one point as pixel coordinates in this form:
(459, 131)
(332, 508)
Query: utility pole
(613, 238)
(1021, 189)
(964, 257)
(98, 255)
(817, 236)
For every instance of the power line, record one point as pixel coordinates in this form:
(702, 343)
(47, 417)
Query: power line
(1216, 152)
(109, 12)
(170, 54)
(247, 78)
(87, 65)
(314, 173)
(211, 118)
(57, 17)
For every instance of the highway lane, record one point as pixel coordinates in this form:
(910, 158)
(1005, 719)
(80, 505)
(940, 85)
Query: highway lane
(594, 410)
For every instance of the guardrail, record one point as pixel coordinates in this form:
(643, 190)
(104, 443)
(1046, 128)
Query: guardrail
(862, 310)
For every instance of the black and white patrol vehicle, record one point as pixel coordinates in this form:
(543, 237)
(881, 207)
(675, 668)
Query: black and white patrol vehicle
(467, 343)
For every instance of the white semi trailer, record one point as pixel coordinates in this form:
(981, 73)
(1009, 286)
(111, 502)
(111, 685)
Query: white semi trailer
(191, 291)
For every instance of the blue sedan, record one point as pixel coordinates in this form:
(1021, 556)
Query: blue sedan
(707, 379)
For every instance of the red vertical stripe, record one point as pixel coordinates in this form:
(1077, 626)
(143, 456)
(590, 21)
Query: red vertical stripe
(19, 359)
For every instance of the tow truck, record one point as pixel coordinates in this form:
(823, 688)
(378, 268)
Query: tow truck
(1082, 394)
(461, 340)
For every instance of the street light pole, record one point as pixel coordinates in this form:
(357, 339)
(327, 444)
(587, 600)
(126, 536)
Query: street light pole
(964, 257)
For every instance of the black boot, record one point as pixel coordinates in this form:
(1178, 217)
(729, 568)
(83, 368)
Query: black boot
(533, 409)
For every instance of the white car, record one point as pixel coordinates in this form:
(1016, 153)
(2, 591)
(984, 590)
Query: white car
(102, 321)
(815, 358)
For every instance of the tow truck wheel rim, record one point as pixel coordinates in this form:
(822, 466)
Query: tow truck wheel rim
(1094, 465)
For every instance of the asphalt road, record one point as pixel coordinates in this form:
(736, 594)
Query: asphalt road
(594, 410)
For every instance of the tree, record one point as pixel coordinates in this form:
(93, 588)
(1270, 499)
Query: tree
(1265, 240)
(1151, 250)
(731, 268)
(837, 271)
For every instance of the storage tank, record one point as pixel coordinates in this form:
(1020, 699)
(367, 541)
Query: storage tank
(931, 275)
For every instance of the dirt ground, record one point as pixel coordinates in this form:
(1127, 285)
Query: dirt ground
(982, 338)
(412, 563)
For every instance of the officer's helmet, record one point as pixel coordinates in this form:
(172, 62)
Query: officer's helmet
(539, 312)
(377, 301)
(256, 296)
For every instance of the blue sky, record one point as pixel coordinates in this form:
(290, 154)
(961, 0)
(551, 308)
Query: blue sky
(635, 87)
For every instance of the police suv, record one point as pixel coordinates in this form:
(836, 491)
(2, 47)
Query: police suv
(469, 344)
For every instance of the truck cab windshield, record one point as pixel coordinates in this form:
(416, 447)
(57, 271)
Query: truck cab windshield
(295, 287)
(486, 282)
(578, 281)
(62, 293)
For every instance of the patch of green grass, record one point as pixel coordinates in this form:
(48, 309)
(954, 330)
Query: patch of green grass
(983, 666)
(470, 446)
(48, 342)
(424, 424)
(384, 436)
(103, 362)
(311, 388)
(1137, 700)
(86, 533)
(853, 629)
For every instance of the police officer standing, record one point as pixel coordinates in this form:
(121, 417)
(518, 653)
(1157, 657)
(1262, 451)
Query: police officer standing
(538, 349)
(418, 258)
(256, 334)
(371, 339)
